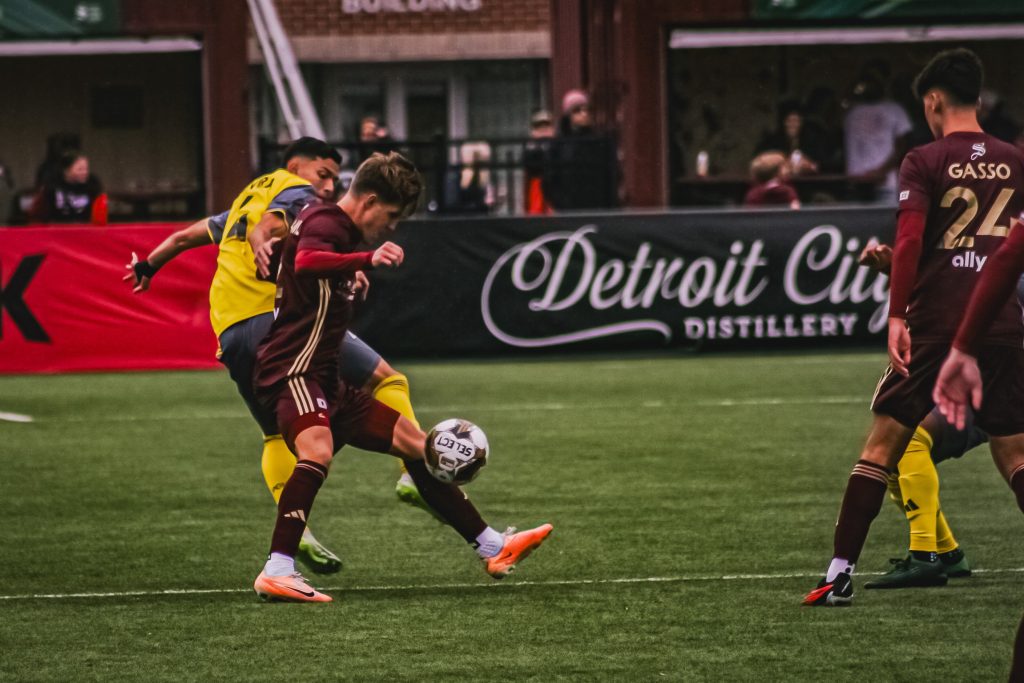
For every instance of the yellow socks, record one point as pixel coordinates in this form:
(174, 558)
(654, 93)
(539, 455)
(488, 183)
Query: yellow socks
(919, 486)
(393, 392)
(278, 463)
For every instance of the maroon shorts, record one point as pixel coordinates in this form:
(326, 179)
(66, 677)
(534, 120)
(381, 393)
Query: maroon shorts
(909, 399)
(353, 416)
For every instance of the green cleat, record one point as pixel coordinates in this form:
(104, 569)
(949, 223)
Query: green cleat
(955, 564)
(910, 573)
(314, 555)
(405, 489)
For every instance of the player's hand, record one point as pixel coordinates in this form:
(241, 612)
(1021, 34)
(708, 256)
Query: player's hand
(877, 257)
(362, 285)
(388, 254)
(139, 282)
(899, 346)
(264, 256)
(958, 386)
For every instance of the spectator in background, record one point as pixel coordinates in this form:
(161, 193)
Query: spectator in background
(76, 195)
(823, 112)
(770, 173)
(373, 137)
(801, 141)
(536, 155)
(368, 126)
(470, 189)
(57, 146)
(876, 132)
(582, 167)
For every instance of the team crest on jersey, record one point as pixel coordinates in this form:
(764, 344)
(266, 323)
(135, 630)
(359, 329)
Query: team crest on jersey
(979, 150)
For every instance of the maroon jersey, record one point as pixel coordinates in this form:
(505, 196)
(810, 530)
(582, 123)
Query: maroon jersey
(970, 185)
(772, 193)
(311, 313)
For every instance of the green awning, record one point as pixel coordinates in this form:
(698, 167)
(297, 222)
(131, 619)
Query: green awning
(886, 9)
(32, 19)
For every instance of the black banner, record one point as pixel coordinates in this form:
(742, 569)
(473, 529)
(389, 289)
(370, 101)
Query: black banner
(734, 279)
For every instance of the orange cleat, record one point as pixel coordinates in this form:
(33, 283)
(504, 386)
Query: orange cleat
(517, 547)
(291, 588)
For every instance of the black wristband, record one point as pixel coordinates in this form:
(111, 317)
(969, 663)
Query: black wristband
(145, 269)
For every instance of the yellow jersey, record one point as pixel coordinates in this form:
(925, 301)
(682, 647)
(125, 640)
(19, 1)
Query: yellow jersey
(235, 293)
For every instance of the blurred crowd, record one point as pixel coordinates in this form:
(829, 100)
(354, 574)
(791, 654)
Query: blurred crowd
(862, 137)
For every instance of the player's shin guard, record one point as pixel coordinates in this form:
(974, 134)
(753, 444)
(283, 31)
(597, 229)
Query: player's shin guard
(865, 491)
(278, 463)
(448, 500)
(294, 506)
(919, 484)
(393, 392)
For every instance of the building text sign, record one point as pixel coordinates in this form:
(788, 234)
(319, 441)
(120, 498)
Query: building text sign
(403, 6)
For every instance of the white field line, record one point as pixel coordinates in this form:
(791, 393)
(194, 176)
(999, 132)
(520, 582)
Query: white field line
(462, 586)
(15, 417)
(504, 408)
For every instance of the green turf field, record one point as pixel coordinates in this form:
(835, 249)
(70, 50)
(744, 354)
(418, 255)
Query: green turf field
(693, 501)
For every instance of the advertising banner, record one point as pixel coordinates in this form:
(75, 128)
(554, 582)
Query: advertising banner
(734, 279)
(739, 280)
(64, 306)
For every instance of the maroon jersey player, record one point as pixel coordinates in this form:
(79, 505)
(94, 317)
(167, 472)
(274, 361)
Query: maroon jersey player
(957, 195)
(963, 376)
(296, 372)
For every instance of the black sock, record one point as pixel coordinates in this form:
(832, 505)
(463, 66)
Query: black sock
(924, 555)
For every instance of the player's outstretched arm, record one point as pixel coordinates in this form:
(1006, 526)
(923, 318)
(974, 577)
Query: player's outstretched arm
(958, 386)
(270, 229)
(140, 273)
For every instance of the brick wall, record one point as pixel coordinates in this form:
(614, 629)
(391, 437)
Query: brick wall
(328, 18)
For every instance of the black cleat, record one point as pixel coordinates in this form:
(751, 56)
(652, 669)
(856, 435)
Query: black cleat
(911, 572)
(837, 593)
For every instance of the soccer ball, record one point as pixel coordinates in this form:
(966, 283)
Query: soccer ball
(456, 451)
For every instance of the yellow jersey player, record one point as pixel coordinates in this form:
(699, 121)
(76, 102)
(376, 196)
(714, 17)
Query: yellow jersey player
(242, 307)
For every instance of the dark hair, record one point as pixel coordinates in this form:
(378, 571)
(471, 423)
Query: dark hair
(393, 178)
(68, 158)
(958, 73)
(310, 148)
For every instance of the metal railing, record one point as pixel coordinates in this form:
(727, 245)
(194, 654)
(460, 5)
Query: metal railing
(490, 176)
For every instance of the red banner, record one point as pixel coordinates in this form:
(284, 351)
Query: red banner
(64, 307)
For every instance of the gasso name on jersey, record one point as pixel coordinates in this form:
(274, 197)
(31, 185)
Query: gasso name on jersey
(983, 170)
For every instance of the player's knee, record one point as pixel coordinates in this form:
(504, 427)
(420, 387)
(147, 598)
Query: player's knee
(315, 444)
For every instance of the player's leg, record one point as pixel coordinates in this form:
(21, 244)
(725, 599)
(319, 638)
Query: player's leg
(865, 491)
(238, 353)
(918, 485)
(500, 553)
(1017, 667)
(1008, 455)
(361, 366)
(1002, 372)
(899, 405)
(303, 416)
(369, 424)
(951, 443)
